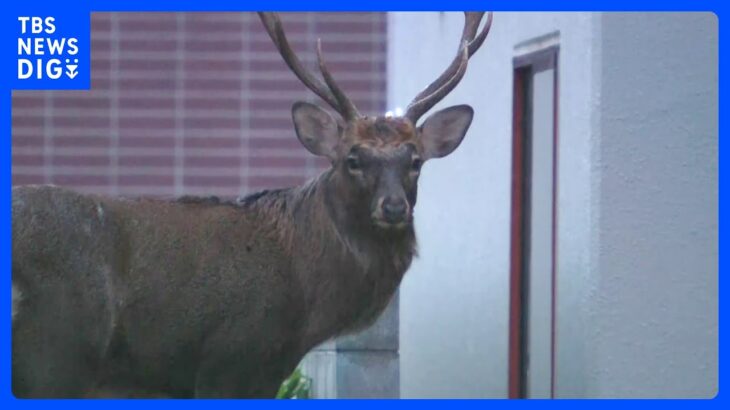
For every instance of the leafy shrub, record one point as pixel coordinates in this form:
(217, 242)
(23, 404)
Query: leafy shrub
(297, 386)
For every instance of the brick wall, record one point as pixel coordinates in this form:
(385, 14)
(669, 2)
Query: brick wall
(191, 103)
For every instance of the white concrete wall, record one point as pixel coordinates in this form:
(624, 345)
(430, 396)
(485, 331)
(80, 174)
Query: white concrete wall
(454, 301)
(637, 207)
(654, 314)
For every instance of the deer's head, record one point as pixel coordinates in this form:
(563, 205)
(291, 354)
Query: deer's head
(377, 160)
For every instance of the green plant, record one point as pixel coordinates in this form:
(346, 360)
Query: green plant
(297, 386)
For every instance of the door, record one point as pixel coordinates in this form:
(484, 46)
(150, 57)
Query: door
(533, 225)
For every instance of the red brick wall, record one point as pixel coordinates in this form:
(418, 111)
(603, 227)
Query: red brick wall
(191, 103)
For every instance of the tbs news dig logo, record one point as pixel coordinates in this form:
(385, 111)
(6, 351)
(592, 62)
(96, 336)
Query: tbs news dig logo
(43, 55)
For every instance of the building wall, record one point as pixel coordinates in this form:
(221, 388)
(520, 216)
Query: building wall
(636, 282)
(191, 103)
(654, 314)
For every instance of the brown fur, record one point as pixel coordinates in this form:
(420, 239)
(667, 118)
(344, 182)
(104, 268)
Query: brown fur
(381, 132)
(192, 297)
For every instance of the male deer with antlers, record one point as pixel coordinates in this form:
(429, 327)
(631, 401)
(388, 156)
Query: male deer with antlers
(201, 298)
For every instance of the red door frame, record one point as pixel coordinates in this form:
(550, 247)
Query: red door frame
(524, 68)
(515, 304)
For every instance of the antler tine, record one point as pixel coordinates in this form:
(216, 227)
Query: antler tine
(329, 91)
(348, 109)
(428, 97)
(471, 24)
(273, 26)
(477, 42)
(419, 107)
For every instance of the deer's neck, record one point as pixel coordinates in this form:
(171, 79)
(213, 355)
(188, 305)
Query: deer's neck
(348, 269)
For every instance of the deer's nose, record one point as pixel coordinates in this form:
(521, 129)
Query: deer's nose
(394, 209)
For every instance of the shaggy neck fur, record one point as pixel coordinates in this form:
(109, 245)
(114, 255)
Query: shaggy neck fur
(348, 269)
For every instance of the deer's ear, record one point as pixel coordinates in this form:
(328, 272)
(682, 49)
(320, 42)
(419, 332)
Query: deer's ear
(443, 131)
(316, 129)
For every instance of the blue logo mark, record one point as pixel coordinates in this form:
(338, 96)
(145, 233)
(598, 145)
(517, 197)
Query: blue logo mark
(52, 52)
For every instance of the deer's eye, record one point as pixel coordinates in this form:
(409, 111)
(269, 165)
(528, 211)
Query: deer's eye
(353, 164)
(416, 164)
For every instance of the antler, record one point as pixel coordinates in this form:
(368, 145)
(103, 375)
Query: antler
(437, 90)
(329, 91)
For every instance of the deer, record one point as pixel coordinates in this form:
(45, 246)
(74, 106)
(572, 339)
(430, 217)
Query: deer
(198, 297)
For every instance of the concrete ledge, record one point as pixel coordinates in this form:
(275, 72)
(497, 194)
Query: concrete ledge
(362, 365)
